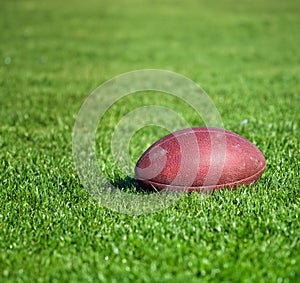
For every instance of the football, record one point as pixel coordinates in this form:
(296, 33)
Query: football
(199, 159)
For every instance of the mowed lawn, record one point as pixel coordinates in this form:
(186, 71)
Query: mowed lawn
(53, 54)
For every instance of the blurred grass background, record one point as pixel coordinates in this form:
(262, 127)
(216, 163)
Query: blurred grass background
(53, 54)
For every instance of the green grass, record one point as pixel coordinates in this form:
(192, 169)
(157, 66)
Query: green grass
(53, 54)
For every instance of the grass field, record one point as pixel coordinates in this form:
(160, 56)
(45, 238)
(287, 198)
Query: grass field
(53, 54)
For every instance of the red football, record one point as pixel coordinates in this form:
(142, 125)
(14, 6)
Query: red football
(200, 159)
